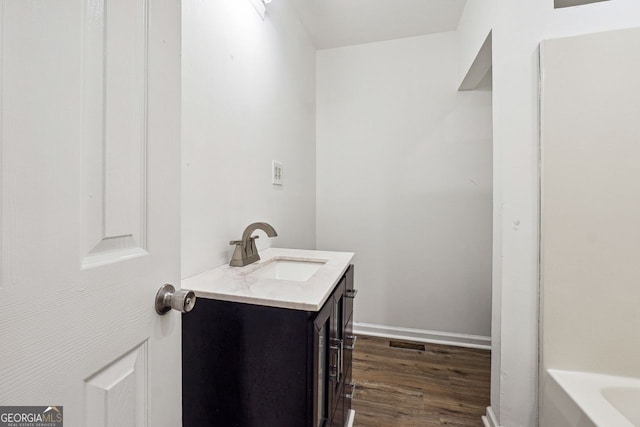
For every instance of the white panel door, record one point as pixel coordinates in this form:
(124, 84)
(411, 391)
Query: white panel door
(89, 152)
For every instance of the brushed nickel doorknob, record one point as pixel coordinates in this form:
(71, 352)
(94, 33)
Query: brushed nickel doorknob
(168, 298)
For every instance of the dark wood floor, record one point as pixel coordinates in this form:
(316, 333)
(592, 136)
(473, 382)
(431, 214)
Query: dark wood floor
(441, 386)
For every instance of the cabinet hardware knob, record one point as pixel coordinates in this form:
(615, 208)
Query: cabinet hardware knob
(351, 293)
(353, 339)
(353, 390)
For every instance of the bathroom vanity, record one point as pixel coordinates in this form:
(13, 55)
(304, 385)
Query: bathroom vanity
(270, 344)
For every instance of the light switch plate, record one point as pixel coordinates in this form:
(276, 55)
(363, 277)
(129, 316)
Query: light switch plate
(276, 173)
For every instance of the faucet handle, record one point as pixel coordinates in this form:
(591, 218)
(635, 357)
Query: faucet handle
(239, 242)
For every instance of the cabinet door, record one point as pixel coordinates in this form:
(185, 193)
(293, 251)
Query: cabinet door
(350, 294)
(338, 418)
(337, 330)
(349, 340)
(322, 361)
(337, 346)
(348, 387)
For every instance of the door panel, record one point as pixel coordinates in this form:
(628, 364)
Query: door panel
(89, 208)
(115, 83)
(117, 395)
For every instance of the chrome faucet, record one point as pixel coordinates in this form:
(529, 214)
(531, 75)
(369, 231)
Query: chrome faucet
(246, 252)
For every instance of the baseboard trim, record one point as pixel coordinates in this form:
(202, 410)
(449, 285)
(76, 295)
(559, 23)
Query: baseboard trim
(421, 335)
(490, 420)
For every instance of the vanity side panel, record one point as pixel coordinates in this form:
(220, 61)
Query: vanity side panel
(245, 365)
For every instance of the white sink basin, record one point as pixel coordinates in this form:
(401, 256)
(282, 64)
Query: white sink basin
(288, 269)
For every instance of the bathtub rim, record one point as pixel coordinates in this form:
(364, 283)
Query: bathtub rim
(585, 390)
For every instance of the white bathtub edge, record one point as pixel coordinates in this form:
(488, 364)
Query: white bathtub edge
(584, 390)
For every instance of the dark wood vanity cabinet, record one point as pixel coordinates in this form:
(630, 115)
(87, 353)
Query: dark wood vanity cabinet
(249, 365)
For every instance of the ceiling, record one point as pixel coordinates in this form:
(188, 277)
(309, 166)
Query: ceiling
(570, 3)
(336, 23)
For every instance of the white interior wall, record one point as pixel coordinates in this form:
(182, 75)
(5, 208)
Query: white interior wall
(518, 28)
(590, 196)
(248, 98)
(404, 181)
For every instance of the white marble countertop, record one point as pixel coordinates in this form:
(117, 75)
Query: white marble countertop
(234, 283)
